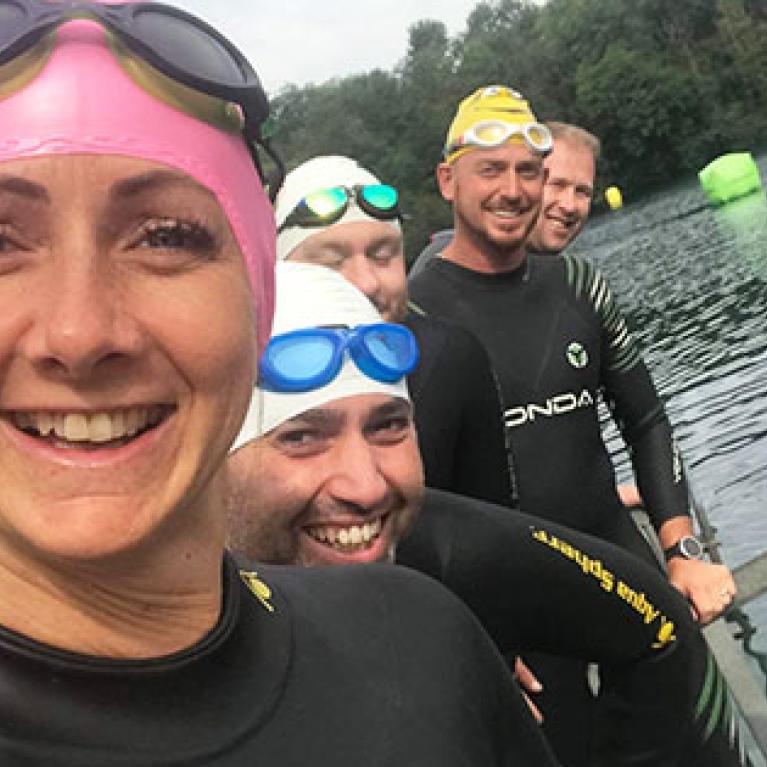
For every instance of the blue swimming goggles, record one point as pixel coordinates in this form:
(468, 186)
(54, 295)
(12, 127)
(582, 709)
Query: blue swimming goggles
(310, 358)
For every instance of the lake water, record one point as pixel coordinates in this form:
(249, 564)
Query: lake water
(692, 281)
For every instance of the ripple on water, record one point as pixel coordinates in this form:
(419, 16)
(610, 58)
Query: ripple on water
(692, 282)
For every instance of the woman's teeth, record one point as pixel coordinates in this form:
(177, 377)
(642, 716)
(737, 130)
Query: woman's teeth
(347, 539)
(91, 427)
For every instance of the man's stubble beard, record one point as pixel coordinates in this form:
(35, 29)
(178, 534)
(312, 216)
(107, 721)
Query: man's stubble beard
(499, 252)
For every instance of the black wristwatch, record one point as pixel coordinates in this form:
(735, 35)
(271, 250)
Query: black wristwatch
(688, 547)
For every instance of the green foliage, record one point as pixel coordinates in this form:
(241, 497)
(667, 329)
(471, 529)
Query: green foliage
(666, 86)
(643, 107)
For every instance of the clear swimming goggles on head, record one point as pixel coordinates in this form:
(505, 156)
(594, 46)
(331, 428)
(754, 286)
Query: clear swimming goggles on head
(493, 133)
(326, 206)
(180, 47)
(307, 359)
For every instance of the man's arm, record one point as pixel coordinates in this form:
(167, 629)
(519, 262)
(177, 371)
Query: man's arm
(458, 413)
(483, 464)
(631, 396)
(534, 584)
(528, 580)
(537, 585)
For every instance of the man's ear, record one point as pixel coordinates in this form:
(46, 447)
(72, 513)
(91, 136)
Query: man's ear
(446, 180)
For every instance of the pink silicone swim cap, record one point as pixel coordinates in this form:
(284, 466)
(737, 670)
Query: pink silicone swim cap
(84, 103)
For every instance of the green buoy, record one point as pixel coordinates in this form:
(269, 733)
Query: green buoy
(729, 177)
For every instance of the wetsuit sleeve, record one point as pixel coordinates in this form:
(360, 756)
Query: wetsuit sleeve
(633, 400)
(482, 457)
(458, 413)
(654, 453)
(537, 585)
(509, 567)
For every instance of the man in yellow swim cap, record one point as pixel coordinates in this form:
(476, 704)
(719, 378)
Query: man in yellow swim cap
(567, 194)
(558, 342)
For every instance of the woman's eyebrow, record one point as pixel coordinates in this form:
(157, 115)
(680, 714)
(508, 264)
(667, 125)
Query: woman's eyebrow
(22, 187)
(152, 180)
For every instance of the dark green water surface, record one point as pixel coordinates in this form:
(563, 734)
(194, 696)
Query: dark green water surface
(692, 282)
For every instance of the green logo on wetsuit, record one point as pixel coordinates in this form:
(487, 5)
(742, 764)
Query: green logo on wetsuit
(577, 355)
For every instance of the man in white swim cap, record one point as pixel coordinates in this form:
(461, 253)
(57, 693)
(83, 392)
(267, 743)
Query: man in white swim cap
(334, 213)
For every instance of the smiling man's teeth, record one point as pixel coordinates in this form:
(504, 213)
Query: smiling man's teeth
(91, 427)
(349, 539)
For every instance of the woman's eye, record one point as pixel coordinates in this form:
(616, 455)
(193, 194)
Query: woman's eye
(7, 243)
(172, 234)
(14, 251)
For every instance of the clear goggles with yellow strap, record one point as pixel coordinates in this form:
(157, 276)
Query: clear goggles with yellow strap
(180, 48)
(492, 133)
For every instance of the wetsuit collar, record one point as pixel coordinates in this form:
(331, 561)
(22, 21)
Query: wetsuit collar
(481, 280)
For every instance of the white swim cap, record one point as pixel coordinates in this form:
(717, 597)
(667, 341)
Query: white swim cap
(313, 176)
(311, 296)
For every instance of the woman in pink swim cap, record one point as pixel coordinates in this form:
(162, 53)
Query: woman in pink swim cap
(136, 285)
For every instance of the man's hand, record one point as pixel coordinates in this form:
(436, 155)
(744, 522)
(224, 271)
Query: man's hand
(529, 684)
(629, 495)
(708, 587)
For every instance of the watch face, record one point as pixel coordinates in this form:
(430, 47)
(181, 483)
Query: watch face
(690, 547)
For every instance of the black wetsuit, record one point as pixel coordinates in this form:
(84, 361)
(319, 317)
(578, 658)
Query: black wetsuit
(537, 585)
(458, 413)
(372, 666)
(557, 342)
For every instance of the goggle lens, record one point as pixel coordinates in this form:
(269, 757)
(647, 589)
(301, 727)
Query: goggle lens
(382, 197)
(537, 136)
(491, 133)
(11, 17)
(390, 349)
(187, 45)
(304, 360)
(326, 202)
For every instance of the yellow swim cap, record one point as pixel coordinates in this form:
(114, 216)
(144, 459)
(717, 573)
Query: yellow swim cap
(491, 116)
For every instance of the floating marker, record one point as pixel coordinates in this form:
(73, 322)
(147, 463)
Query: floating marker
(729, 177)
(614, 197)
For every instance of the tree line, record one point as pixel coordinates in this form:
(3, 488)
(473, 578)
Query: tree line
(666, 86)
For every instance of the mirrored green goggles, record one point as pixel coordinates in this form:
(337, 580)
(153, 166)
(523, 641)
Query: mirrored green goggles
(326, 206)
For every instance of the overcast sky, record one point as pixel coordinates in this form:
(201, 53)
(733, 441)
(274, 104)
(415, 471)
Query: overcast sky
(304, 41)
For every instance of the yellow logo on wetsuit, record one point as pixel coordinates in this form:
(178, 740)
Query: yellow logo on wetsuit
(258, 588)
(665, 635)
(594, 568)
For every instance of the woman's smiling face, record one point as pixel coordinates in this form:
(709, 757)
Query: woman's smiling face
(126, 353)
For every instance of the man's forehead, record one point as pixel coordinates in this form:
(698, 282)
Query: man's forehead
(351, 234)
(571, 154)
(356, 406)
(513, 151)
